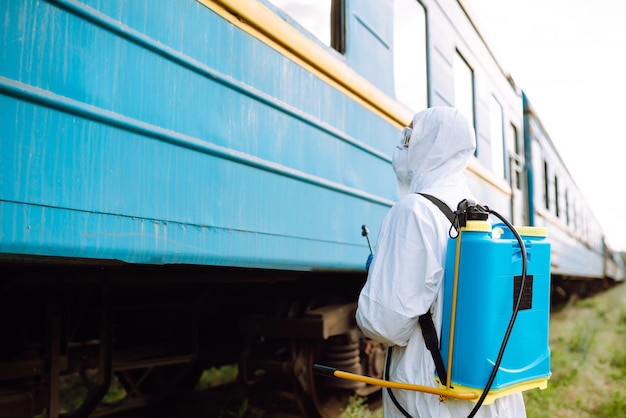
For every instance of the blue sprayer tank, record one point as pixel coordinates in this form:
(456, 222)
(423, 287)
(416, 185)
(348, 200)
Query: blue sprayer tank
(489, 277)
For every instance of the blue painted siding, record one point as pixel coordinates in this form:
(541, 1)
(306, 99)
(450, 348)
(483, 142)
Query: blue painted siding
(133, 132)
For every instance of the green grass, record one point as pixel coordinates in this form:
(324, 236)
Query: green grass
(612, 407)
(588, 349)
(357, 408)
(214, 377)
(74, 391)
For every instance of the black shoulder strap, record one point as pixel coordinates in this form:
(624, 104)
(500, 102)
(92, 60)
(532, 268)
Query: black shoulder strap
(442, 206)
(426, 320)
(432, 343)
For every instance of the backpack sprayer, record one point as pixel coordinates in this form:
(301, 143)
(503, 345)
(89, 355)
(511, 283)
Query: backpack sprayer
(495, 277)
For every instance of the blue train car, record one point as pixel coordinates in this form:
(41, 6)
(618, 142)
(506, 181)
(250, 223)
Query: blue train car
(582, 262)
(557, 203)
(135, 134)
(184, 184)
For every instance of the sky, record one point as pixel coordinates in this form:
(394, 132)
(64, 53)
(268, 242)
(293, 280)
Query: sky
(569, 56)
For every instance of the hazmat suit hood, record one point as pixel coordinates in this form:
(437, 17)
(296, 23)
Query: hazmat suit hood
(439, 149)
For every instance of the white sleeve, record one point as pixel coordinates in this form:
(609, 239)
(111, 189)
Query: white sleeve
(404, 276)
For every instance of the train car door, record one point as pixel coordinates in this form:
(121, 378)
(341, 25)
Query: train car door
(516, 177)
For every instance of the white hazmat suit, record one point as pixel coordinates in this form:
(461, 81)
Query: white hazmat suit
(405, 276)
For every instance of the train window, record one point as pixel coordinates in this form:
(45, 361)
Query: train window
(464, 87)
(556, 196)
(517, 161)
(324, 19)
(515, 140)
(546, 186)
(496, 136)
(567, 208)
(409, 54)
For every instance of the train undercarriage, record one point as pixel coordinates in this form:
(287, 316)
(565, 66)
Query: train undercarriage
(100, 340)
(565, 289)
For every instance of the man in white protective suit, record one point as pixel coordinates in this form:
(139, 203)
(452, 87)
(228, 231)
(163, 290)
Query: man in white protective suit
(406, 273)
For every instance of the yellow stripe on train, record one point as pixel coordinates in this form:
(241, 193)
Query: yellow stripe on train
(254, 18)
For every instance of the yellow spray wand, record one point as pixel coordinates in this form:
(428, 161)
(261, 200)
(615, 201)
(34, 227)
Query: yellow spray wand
(444, 393)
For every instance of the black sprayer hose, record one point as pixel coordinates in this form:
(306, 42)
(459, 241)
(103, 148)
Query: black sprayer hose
(391, 395)
(513, 317)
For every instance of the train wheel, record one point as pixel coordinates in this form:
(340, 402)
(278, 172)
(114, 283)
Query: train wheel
(327, 397)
